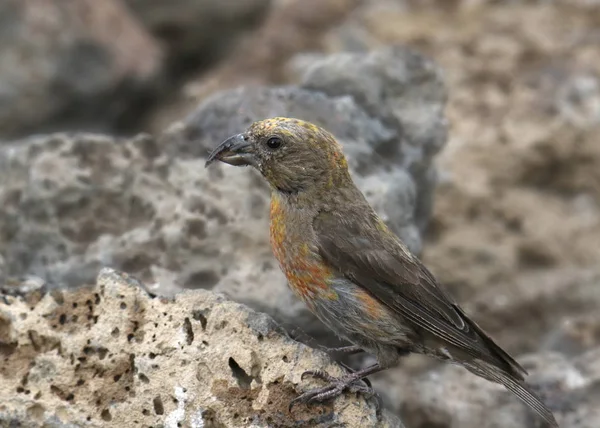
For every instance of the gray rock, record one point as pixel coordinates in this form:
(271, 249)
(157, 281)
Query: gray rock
(450, 397)
(62, 193)
(405, 92)
(199, 30)
(110, 355)
(564, 302)
(62, 64)
(75, 203)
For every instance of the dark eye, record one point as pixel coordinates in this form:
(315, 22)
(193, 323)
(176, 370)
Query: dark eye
(274, 142)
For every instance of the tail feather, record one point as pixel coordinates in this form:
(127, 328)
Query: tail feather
(514, 385)
(497, 356)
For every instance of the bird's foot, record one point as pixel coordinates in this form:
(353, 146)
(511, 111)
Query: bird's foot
(352, 382)
(351, 370)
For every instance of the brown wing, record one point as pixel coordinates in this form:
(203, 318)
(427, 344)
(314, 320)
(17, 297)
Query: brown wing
(376, 259)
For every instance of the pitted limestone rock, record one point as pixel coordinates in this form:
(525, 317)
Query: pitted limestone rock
(111, 355)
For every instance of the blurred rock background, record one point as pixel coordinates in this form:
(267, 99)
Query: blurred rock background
(471, 125)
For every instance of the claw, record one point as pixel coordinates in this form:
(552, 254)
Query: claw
(352, 382)
(302, 399)
(367, 382)
(291, 405)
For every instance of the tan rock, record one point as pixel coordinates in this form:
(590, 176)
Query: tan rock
(110, 355)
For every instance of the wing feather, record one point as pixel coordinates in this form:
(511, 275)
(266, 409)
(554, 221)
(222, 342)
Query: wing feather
(373, 257)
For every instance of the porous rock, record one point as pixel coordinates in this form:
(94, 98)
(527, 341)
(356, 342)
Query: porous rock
(111, 355)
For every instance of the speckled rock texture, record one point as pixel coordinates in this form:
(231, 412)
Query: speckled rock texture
(110, 355)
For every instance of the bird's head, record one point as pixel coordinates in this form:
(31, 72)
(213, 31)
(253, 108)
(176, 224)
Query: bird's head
(293, 155)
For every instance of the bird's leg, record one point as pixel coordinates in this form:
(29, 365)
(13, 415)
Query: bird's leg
(351, 382)
(350, 350)
(351, 370)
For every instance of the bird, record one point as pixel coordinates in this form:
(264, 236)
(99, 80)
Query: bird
(341, 259)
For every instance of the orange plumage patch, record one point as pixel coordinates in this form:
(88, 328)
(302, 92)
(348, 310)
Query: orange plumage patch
(371, 305)
(306, 274)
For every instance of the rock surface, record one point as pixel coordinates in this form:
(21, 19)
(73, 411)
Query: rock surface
(561, 306)
(260, 57)
(451, 398)
(71, 64)
(199, 30)
(110, 355)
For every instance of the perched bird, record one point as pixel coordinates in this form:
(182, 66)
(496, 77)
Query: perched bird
(352, 272)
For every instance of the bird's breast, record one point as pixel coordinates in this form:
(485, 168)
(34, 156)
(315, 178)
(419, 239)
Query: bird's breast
(307, 274)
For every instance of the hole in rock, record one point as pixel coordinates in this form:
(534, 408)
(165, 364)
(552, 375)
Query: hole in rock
(199, 316)
(243, 379)
(158, 405)
(204, 279)
(105, 415)
(189, 332)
